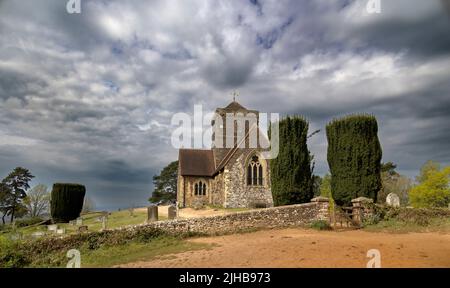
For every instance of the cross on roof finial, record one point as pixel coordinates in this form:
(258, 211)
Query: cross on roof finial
(235, 93)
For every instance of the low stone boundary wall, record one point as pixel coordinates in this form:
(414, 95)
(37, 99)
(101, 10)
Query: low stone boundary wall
(282, 216)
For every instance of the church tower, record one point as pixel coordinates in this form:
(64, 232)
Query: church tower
(230, 126)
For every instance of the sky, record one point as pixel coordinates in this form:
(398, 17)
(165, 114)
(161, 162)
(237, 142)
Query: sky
(89, 97)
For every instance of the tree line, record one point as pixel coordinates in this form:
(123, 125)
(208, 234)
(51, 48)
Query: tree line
(17, 200)
(354, 156)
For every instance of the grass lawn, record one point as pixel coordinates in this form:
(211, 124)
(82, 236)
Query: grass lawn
(115, 220)
(132, 252)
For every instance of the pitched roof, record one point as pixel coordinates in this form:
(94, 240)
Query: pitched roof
(234, 106)
(196, 162)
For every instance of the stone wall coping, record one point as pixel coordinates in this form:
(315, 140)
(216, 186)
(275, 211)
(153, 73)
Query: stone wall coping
(320, 199)
(362, 200)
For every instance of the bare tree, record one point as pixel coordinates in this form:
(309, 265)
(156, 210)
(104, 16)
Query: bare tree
(37, 201)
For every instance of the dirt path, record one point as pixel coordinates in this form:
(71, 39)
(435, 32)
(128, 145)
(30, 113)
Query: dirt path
(310, 248)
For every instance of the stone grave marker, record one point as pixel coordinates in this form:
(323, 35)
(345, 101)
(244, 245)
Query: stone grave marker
(104, 222)
(152, 213)
(393, 200)
(172, 212)
(37, 234)
(52, 228)
(15, 236)
(79, 221)
(61, 231)
(83, 228)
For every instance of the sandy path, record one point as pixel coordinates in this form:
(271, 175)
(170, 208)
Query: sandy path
(310, 248)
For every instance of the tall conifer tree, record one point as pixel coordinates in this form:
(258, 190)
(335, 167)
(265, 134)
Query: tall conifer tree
(291, 171)
(354, 158)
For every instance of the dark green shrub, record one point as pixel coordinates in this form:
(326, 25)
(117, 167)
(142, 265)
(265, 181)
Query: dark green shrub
(67, 201)
(291, 171)
(354, 157)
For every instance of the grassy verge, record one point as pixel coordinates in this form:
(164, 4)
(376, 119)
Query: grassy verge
(398, 226)
(109, 256)
(98, 249)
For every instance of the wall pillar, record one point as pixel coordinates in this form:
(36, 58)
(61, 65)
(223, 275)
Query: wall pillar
(361, 209)
(323, 205)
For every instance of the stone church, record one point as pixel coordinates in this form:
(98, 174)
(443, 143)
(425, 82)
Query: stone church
(232, 173)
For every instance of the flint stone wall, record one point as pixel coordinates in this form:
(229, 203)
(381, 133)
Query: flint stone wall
(283, 216)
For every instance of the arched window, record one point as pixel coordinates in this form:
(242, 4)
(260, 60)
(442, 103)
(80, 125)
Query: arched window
(200, 189)
(196, 189)
(254, 172)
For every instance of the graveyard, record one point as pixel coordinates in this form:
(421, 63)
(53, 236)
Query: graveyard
(102, 220)
(157, 237)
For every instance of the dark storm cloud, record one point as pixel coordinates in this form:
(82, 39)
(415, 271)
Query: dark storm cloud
(89, 97)
(427, 37)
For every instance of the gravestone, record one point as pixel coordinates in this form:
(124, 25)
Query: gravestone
(15, 237)
(52, 228)
(152, 213)
(393, 200)
(83, 228)
(37, 234)
(79, 222)
(172, 212)
(60, 231)
(104, 222)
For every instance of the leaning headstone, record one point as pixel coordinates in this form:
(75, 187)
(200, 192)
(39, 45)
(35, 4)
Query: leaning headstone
(83, 228)
(52, 228)
(152, 213)
(79, 222)
(393, 200)
(172, 212)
